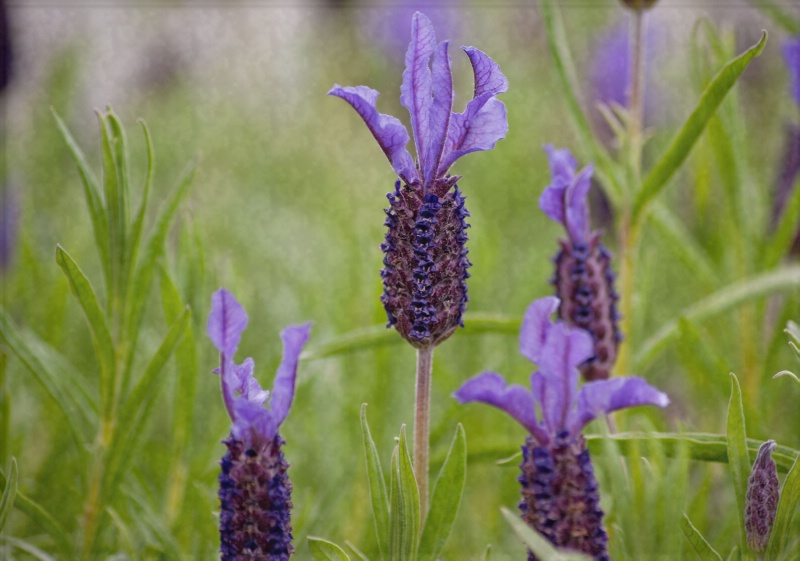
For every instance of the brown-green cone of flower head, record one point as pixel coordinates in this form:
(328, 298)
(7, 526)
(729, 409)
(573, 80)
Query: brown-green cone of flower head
(761, 501)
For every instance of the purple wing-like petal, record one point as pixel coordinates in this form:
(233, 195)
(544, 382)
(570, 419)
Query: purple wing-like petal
(490, 388)
(535, 325)
(252, 423)
(488, 77)
(577, 211)
(791, 54)
(441, 109)
(478, 128)
(390, 133)
(283, 389)
(415, 92)
(226, 322)
(562, 171)
(604, 396)
(247, 386)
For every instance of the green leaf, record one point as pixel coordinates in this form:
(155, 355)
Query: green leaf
(92, 195)
(738, 459)
(606, 170)
(793, 330)
(101, 336)
(28, 548)
(42, 519)
(62, 386)
(404, 515)
(136, 406)
(783, 18)
(116, 225)
(358, 553)
(698, 542)
(787, 373)
(445, 499)
(377, 486)
(9, 493)
(138, 223)
(748, 289)
(682, 144)
(324, 550)
(537, 543)
(787, 505)
(487, 554)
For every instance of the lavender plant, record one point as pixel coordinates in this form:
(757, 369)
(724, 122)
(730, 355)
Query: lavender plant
(254, 487)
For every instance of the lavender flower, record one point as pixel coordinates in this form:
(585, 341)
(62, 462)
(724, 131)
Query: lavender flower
(583, 279)
(559, 491)
(790, 164)
(791, 54)
(424, 277)
(254, 488)
(761, 501)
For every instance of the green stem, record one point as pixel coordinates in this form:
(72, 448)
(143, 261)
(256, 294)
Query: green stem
(422, 413)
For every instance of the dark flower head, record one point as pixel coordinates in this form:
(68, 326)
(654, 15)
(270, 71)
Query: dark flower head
(639, 4)
(254, 491)
(9, 226)
(761, 501)
(584, 279)
(791, 54)
(559, 489)
(425, 272)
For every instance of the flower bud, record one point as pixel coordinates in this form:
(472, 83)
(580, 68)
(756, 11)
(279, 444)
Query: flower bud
(761, 501)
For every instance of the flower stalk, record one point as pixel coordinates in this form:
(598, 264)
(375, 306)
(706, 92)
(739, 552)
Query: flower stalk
(422, 414)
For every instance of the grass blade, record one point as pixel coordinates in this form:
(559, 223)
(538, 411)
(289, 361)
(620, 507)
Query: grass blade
(748, 289)
(738, 459)
(9, 493)
(787, 505)
(445, 499)
(682, 144)
(324, 550)
(377, 486)
(101, 336)
(698, 542)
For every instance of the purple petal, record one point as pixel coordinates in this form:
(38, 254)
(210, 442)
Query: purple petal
(565, 199)
(247, 386)
(390, 133)
(488, 77)
(478, 128)
(415, 92)
(610, 72)
(604, 396)
(226, 322)
(577, 215)
(252, 423)
(441, 109)
(535, 325)
(791, 53)
(283, 389)
(490, 388)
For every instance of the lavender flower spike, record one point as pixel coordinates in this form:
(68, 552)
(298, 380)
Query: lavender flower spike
(583, 279)
(424, 278)
(254, 488)
(791, 54)
(761, 501)
(560, 496)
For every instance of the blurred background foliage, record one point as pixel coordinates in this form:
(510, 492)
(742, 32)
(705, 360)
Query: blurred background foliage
(285, 210)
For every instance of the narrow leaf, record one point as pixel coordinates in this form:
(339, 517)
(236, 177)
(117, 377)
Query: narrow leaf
(355, 551)
(377, 486)
(698, 542)
(789, 374)
(727, 298)
(445, 499)
(101, 336)
(682, 144)
(116, 225)
(537, 543)
(92, 195)
(9, 493)
(324, 550)
(404, 515)
(738, 459)
(787, 505)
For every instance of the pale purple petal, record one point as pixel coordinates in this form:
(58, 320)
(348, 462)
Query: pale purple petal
(441, 109)
(577, 211)
(604, 396)
(535, 325)
(488, 77)
(490, 388)
(562, 164)
(247, 386)
(390, 133)
(791, 54)
(415, 91)
(252, 423)
(478, 128)
(226, 322)
(293, 338)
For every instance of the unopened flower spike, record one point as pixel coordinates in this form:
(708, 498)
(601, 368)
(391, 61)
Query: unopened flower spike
(761, 501)
(560, 497)
(425, 263)
(254, 487)
(584, 279)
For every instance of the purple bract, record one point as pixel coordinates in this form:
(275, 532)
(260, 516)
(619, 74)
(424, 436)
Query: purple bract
(791, 54)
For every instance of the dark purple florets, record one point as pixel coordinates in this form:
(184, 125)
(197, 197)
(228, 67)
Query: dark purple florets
(584, 282)
(560, 497)
(425, 262)
(255, 503)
